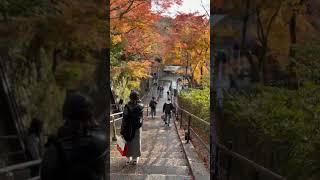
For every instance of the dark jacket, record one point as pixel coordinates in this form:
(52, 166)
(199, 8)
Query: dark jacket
(153, 104)
(132, 119)
(168, 107)
(73, 155)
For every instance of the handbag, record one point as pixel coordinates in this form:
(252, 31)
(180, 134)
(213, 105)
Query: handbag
(122, 146)
(162, 117)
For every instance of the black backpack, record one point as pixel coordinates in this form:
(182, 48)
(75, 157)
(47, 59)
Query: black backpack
(152, 104)
(131, 123)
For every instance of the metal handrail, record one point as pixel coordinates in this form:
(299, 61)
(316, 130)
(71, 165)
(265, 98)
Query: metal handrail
(20, 166)
(191, 129)
(194, 116)
(248, 161)
(115, 114)
(113, 120)
(201, 140)
(230, 152)
(35, 178)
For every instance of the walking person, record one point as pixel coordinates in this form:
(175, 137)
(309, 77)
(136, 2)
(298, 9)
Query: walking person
(34, 144)
(161, 91)
(131, 127)
(167, 109)
(78, 151)
(153, 105)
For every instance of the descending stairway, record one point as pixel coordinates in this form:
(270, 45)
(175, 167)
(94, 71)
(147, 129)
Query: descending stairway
(162, 155)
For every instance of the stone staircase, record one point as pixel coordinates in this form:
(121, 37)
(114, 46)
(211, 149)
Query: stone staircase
(162, 155)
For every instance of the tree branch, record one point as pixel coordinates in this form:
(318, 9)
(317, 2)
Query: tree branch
(273, 18)
(260, 32)
(208, 14)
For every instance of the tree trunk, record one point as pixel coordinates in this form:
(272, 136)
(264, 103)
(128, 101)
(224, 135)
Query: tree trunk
(293, 41)
(293, 32)
(244, 25)
(262, 63)
(254, 68)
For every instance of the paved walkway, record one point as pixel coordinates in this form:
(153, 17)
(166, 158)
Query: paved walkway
(162, 154)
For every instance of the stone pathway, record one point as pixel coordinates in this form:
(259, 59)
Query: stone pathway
(162, 154)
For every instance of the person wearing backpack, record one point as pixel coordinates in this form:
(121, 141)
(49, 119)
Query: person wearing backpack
(167, 109)
(153, 105)
(131, 127)
(78, 151)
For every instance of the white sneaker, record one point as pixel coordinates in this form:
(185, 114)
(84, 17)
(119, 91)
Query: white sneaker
(135, 161)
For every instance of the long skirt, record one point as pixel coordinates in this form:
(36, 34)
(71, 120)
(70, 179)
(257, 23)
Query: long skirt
(134, 146)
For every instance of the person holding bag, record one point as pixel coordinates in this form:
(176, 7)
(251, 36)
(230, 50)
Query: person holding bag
(131, 127)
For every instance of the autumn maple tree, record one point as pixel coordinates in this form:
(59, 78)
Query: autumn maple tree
(139, 35)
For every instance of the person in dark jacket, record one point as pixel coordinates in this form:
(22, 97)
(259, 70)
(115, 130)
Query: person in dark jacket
(78, 150)
(167, 109)
(153, 104)
(131, 127)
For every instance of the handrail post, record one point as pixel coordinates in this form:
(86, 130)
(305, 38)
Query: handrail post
(147, 111)
(189, 121)
(216, 166)
(9, 176)
(114, 138)
(181, 119)
(229, 161)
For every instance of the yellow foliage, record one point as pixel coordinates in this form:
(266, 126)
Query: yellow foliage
(116, 39)
(139, 69)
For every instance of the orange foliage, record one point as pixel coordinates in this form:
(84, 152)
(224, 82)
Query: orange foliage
(147, 34)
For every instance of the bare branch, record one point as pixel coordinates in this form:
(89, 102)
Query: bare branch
(208, 14)
(260, 31)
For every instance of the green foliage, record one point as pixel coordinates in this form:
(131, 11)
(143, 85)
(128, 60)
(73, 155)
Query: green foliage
(192, 99)
(197, 102)
(306, 61)
(281, 116)
(115, 54)
(19, 7)
(71, 75)
(205, 81)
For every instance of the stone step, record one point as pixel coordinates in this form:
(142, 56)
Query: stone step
(115, 176)
(150, 169)
(146, 154)
(121, 161)
(156, 144)
(164, 148)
